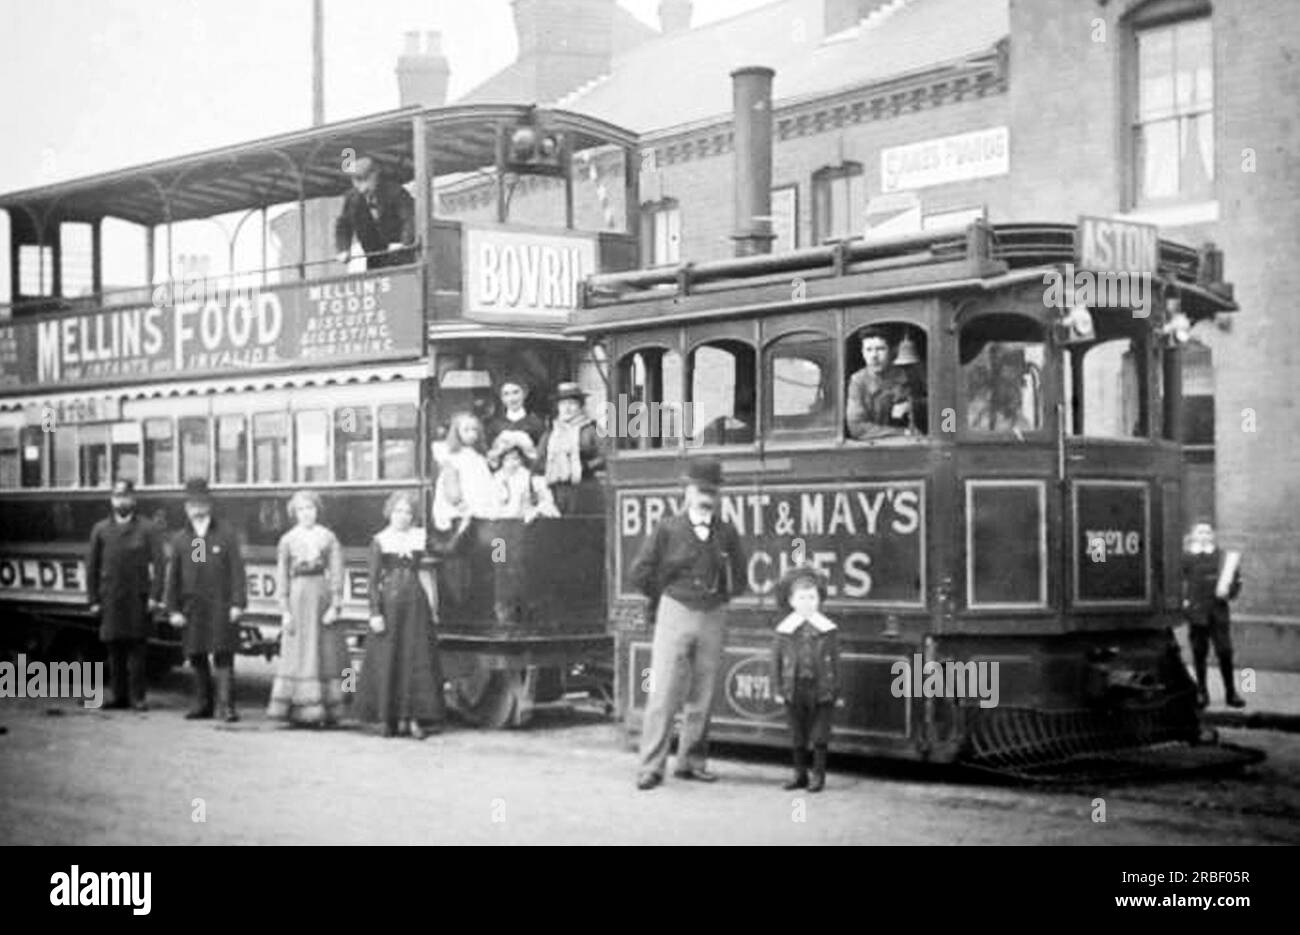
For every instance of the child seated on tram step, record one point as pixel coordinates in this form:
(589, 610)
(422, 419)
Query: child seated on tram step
(805, 664)
(521, 494)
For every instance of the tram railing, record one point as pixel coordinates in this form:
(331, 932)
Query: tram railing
(988, 249)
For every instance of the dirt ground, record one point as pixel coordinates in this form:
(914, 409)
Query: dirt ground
(75, 776)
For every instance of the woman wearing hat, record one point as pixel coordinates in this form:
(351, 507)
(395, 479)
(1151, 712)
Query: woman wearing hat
(308, 686)
(205, 597)
(570, 452)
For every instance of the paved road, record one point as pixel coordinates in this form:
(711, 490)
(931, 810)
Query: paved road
(96, 777)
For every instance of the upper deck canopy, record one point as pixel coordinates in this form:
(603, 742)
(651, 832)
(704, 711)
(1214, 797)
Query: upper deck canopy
(303, 164)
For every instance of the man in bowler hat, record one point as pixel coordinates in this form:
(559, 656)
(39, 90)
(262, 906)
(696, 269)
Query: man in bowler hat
(206, 595)
(124, 574)
(689, 567)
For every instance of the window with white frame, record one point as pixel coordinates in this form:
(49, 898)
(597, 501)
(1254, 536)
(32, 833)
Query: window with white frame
(663, 229)
(1173, 134)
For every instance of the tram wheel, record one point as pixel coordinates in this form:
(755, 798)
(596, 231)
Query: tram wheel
(494, 698)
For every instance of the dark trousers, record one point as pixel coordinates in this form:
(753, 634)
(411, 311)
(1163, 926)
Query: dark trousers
(810, 719)
(224, 663)
(1216, 629)
(126, 659)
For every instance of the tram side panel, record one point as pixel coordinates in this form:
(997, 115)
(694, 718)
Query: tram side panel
(868, 537)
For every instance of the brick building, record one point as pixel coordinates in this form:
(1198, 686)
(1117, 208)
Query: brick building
(1165, 111)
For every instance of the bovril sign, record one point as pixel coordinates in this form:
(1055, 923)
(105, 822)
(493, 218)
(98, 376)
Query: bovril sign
(521, 274)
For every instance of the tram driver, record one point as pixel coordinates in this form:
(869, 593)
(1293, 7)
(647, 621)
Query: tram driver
(380, 214)
(883, 398)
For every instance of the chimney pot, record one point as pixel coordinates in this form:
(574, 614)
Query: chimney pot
(412, 43)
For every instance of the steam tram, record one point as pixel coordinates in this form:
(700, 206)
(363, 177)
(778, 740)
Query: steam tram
(1004, 561)
(305, 372)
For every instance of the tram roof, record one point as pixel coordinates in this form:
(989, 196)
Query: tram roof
(299, 164)
(931, 262)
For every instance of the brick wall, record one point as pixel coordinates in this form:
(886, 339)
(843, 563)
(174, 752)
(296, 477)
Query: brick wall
(703, 187)
(1067, 107)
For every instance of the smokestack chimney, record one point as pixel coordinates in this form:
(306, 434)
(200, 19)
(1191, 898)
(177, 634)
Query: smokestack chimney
(674, 16)
(422, 74)
(752, 108)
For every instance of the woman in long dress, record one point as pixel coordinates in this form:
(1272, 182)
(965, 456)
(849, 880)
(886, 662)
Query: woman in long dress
(401, 681)
(313, 652)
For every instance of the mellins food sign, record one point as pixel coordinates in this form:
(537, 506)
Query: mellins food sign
(373, 316)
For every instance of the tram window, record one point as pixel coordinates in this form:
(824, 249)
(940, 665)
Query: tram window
(270, 447)
(311, 430)
(354, 443)
(1002, 360)
(196, 452)
(65, 456)
(124, 438)
(886, 394)
(1104, 389)
(159, 452)
(799, 370)
(9, 463)
(397, 441)
(32, 443)
(232, 450)
(722, 390)
(649, 412)
(92, 442)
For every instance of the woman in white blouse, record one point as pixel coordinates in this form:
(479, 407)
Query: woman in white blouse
(313, 652)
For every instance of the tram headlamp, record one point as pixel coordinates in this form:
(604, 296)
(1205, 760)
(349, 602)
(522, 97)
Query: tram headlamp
(534, 150)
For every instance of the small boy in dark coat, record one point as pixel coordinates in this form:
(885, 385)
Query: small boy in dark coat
(806, 662)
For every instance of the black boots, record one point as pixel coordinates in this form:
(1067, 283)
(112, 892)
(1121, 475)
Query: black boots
(1230, 684)
(1202, 692)
(226, 694)
(800, 780)
(202, 692)
(818, 781)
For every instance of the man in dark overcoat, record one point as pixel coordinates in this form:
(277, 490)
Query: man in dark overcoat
(124, 576)
(206, 595)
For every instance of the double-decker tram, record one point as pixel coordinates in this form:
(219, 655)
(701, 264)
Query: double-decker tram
(121, 356)
(989, 478)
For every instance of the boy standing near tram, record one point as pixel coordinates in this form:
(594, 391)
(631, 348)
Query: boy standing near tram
(1210, 580)
(806, 665)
